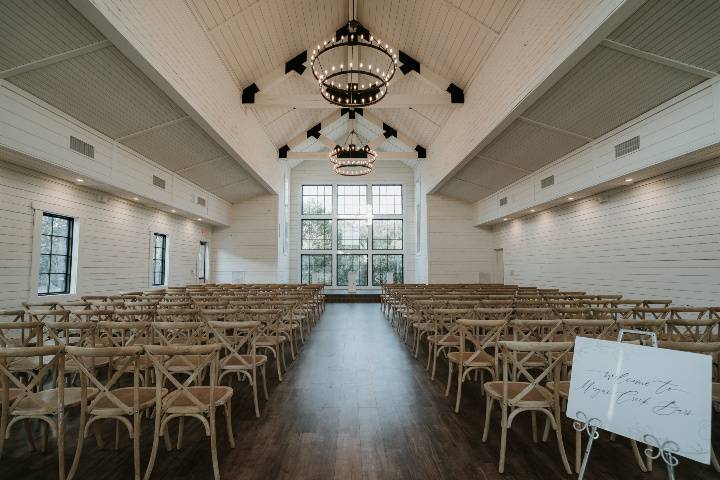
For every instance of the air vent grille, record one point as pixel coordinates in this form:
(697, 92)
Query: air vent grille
(158, 182)
(547, 181)
(503, 201)
(201, 201)
(83, 148)
(627, 147)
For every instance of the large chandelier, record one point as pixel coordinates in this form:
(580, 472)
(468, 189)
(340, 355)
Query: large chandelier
(351, 160)
(354, 68)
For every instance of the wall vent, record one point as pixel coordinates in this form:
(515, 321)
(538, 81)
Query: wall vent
(200, 201)
(627, 147)
(83, 148)
(503, 201)
(158, 182)
(547, 181)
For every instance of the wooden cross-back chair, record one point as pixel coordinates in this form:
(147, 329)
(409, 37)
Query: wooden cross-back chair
(40, 305)
(690, 329)
(79, 334)
(135, 315)
(188, 398)
(270, 337)
(444, 335)
(483, 335)
(24, 335)
(651, 312)
(239, 353)
(103, 398)
(540, 313)
(30, 400)
(613, 313)
(651, 325)
(528, 394)
(127, 334)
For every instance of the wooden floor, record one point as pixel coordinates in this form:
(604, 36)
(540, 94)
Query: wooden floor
(355, 404)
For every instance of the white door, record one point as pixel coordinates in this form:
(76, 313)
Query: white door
(499, 266)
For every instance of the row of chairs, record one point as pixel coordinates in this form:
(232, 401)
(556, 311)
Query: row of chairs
(527, 352)
(126, 364)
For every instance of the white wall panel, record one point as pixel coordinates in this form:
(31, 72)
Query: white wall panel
(657, 239)
(114, 237)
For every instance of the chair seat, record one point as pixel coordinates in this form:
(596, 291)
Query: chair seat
(563, 388)
(537, 397)
(445, 340)
(185, 362)
(28, 364)
(424, 326)
(177, 401)
(235, 363)
(472, 359)
(269, 340)
(46, 401)
(146, 398)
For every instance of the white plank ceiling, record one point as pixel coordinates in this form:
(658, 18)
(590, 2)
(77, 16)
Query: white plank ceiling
(104, 90)
(616, 82)
(450, 37)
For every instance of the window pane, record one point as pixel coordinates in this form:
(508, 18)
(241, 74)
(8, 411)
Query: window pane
(387, 235)
(44, 263)
(382, 264)
(58, 264)
(158, 262)
(45, 242)
(59, 246)
(47, 225)
(352, 263)
(352, 235)
(57, 283)
(318, 264)
(60, 227)
(317, 199)
(316, 235)
(43, 283)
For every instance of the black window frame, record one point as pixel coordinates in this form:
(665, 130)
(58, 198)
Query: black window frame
(163, 266)
(367, 234)
(337, 269)
(68, 254)
(302, 231)
(372, 197)
(328, 268)
(204, 247)
(388, 240)
(402, 267)
(302, 198)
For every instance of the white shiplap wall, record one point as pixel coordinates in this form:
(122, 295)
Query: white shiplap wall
(457, 251)
(659, 238)
(247, 251)
(114, 237)
(315, 172)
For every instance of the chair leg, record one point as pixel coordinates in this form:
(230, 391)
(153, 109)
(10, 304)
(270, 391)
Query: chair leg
(153, 452)
(181, 429)
(80, 443)
(488, 411)
(503, 438)
(714, 460)
(459, 388)
(97, 433)
(228, 421)
(277, 363)
(45, 432)
(578, 451)
(449, 380)
(213, 444)
(3, 428)
(533, 421)
(429, 357)
(638, 458)
(561, 445)
(264, 379)
(435, 356)
(28, 435)
(117, 434)
(166, 437)
(255, 395)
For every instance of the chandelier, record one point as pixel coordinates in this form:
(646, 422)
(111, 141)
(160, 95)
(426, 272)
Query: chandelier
(351, 160)
(353, 68)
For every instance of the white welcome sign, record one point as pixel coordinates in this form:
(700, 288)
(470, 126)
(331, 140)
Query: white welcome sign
(636, 391)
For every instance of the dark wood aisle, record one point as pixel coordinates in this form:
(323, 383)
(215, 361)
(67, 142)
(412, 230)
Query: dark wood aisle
(355, 404)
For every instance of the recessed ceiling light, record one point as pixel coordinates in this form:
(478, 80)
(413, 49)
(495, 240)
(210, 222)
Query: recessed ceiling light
(532, 210)
(571, 198)
(79, 180)
(505, 219)
(173, 211)
(199, 219)
(628, 179)
(136, 198)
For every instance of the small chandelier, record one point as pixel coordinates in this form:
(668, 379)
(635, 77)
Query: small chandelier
(351, 160)
(353, 68)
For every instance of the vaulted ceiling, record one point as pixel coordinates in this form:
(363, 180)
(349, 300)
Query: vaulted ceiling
(665, 48)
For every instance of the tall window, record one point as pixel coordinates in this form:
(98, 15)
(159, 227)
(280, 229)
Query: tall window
(202, 262)
(352, 263)
(383, 264)
(316, 234)
(159, 254)
(387, 199)
(316, 199)
(352, 199)
(55, 255)
(352, 235)
(320, 265)
(387, 235)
